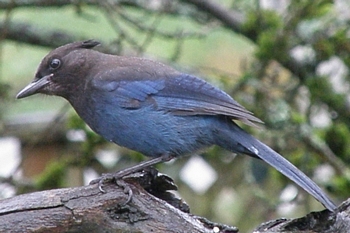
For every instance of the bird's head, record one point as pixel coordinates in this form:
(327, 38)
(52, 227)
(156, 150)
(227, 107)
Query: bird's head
(59, 72)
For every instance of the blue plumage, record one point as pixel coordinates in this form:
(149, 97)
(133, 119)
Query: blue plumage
(151, 108)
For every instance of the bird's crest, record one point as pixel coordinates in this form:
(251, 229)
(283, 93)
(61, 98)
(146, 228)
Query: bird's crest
(65, 49)
(88, 44)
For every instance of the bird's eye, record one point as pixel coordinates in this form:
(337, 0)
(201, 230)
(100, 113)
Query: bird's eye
(55, 63)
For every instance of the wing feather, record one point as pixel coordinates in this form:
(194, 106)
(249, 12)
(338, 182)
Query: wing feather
(179, 94)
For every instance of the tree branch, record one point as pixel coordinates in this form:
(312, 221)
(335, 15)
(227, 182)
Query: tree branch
(27, 33)
(323, 221)
(86, 209)
(230, 18)
(151, 209)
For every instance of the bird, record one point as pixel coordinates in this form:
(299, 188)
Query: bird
(154, 109)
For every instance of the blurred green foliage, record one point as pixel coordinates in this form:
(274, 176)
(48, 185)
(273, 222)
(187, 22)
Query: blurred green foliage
(54, 176)
(253, 64)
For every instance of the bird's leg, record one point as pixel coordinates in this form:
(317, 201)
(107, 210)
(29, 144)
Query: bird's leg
(119, 175)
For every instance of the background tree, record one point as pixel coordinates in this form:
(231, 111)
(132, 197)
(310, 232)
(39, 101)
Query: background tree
(286, 61)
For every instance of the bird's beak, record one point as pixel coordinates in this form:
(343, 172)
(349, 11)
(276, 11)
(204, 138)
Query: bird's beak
(33, 87)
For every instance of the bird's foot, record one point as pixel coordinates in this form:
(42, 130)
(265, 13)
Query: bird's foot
(118, 179)
(127, 190)
(119, 175)
(105, 178)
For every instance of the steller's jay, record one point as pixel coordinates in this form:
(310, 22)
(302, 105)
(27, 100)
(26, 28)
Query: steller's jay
(153, 109)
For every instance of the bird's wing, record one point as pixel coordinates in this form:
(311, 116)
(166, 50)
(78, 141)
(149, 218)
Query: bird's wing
(180, 94)
(189, 95)
(129, 94)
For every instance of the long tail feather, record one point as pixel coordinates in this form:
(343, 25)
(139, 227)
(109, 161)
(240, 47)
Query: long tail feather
(237, 140)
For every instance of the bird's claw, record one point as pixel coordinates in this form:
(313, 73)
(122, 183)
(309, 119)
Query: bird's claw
(100, 185)
(127, 190)
(108, 177)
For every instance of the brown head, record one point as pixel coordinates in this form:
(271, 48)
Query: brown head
(59, 73)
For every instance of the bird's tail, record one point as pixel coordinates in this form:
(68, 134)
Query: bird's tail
(235, 139)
